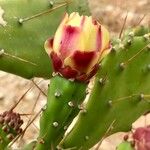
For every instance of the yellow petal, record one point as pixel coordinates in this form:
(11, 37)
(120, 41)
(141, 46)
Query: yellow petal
(69, 62)
(89, 35)
(48, 46)
(74, 20)
(105, 38)
(59, 33)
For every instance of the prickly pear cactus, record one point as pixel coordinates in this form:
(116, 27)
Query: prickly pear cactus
(10, 127)
(120, 95)
(24, 28)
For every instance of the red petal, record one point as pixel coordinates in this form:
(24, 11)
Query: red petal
(99, 39)
(139, 133)
(82, 78)
(69, 40)
(82, 60)
(57, 63)
(67, 72)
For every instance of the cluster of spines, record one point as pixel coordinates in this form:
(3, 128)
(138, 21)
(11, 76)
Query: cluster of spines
(10, 127)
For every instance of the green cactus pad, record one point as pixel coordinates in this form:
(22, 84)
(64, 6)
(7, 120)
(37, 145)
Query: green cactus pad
(120, 95)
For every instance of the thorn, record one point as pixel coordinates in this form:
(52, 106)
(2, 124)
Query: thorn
(72, 80)
(57, 94)
(32, 112)
(2, 51)
(51, 4)
(123, 26)
(129, 42)
(20, 59)
(80, 107)
(122, 66)
(13, 107)
(39, 87)
(110, 103)
(102, 81)
(87, 91)
(134, 56)
(65, 127)
(146, 37)
(71, 104)
(54, 74)
(113, 49)
(141, 20)
(105, 134)
(87, 137)
(83, 111)
(41, 141)
(22, 20)
(55, 124)
(131, 34)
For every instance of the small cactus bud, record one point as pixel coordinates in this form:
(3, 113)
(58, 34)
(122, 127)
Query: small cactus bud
(11, 124)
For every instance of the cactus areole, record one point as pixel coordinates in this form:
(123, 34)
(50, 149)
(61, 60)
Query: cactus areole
(79, 44)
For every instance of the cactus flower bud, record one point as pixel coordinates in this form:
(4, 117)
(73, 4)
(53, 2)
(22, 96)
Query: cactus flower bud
(78, 45)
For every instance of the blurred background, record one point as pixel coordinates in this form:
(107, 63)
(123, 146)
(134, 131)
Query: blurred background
(110, 13)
